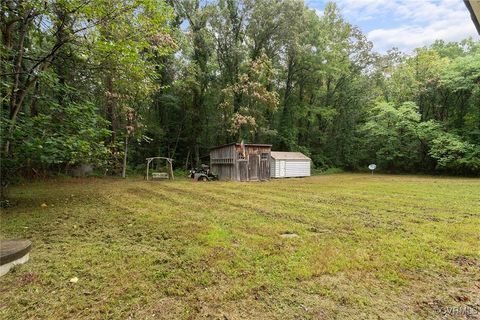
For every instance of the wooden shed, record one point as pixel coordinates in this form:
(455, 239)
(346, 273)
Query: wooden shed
(289, 164)
(237, 162)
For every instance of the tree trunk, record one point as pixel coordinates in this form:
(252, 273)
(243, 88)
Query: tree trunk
(111, 112)
(124, 170)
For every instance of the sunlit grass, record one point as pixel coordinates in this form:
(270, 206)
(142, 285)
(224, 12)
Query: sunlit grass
(367, 246)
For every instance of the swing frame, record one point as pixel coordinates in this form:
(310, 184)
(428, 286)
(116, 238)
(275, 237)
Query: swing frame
(170, 166)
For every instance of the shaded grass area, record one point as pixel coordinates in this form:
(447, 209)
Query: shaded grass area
(368, 247)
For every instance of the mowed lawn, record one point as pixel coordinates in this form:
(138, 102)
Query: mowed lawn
(357, 247)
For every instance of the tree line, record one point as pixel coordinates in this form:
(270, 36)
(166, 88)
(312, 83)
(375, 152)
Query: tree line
(98, 82)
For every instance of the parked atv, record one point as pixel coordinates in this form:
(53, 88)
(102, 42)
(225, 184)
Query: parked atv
(203, 174)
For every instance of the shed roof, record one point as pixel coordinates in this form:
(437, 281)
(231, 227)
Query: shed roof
(246, 145)
(282, 155)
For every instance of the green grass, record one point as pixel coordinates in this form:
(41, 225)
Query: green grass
(368, 247)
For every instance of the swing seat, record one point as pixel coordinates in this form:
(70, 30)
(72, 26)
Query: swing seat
(159, 175)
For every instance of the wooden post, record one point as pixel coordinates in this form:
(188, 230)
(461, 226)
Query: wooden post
(124, 170)
(148, 165)
(171, 169)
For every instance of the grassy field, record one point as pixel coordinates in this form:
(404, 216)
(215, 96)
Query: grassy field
(344, 246)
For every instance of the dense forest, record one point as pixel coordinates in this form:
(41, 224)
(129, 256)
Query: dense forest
(90, 82)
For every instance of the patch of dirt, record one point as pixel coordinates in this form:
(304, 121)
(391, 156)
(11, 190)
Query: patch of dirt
(318, 230)
(371, 225)
(464, 261)
(461, 298)
(436, 305)
(28, 278)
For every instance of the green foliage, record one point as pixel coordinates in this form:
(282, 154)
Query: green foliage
(70, 64)
(462, 74)
(71, 134)
(454, 155)
(180, 172)
(174, 78)
(391, 133)
(397, 139)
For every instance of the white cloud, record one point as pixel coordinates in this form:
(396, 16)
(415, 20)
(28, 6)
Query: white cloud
(416, 23)
(319, 12)
(409, 37)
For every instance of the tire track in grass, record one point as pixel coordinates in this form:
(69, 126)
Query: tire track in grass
(140, 192)
(214, 196)
(352, 214)
(360, 186)
(325, 206)
(281, 194)
(355, 212)
(307, 222)
(167, 205)
(197, 209)
(310, 220)
(220, 195)
(364, 202)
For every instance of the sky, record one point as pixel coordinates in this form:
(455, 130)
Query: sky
(406, 24)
